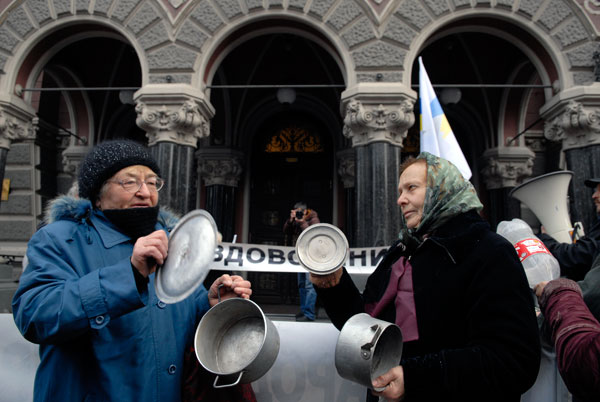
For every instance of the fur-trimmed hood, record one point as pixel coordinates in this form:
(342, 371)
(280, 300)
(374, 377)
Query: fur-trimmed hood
(77, 209)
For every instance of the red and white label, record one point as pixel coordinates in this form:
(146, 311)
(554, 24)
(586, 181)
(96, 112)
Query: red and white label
(527, 247)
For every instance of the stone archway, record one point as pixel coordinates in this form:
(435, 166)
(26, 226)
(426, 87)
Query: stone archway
(499, 80)
(244, 94)
(78, 99)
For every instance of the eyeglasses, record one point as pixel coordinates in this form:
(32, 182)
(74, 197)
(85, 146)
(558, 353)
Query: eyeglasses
(132, 185)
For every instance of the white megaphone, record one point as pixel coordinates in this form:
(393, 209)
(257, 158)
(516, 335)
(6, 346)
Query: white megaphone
(546, 197)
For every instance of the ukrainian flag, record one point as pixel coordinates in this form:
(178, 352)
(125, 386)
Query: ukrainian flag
(437, 137)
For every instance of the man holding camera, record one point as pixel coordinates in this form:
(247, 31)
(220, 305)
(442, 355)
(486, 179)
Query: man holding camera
(300, 218)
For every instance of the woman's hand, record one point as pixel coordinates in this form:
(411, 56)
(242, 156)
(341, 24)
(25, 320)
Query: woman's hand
(327, 281)
(149, 252)
(539, 288)
(393, 381)
(233, 286)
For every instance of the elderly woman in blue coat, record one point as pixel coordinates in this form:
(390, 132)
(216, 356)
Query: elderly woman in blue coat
(87, 294)
(457, 291)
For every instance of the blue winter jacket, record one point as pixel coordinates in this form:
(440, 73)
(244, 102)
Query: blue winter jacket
(100, 339)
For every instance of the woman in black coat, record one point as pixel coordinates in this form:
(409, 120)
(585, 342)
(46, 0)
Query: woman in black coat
(456, 289)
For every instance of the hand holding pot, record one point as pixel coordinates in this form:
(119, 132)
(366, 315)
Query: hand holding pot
(227, 287)
(150, 251)
(393, 381)
(327, 281)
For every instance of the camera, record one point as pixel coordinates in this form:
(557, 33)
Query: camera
(299, 214)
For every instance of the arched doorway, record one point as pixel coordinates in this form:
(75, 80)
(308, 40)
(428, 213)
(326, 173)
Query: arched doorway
(253, 116)
(491, 89)
(71, 117)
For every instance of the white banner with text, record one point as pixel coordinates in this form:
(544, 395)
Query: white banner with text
(270, 258)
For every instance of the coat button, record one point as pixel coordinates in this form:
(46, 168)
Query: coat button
(172, 369)
(99, 319)
(161, 304)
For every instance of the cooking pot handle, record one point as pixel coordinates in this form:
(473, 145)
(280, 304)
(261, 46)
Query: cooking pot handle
(219, 292)
(365, 350)
(227, 385)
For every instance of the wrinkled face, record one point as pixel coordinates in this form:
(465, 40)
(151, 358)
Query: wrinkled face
(411, 190)
(114, 196)
(596, 198)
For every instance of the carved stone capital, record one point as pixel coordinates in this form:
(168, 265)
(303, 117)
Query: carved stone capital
(573, 117)
(347, 167)
(173, 113)
(371, 123)
(507, 166)
(72, 157)
(576, 126)
(16, 125)
(219, 166)
(378, 113)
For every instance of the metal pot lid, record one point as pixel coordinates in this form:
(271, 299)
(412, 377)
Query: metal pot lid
(192, 245)
(322, 248)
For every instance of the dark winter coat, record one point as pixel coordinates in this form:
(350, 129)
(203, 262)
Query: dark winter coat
(575, 259)
(478, 335)
(590, 288)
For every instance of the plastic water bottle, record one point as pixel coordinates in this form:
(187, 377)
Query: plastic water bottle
(539, 264)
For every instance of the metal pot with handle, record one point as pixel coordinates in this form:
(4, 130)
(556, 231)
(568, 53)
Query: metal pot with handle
(367, 348)
(236, 341)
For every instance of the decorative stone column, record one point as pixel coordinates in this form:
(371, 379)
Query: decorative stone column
(15, 125)
(505, 168)
(377, 117)
(18, 220)
(221, 169)
(573, 117)
(347, 171)
(174, 117)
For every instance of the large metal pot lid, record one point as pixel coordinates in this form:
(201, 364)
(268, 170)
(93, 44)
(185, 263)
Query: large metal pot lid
(322, 248)
(192, 245)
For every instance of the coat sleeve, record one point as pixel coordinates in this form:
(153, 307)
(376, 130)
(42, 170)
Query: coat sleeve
(575, 259)
(500, 353)
(576, 335)
(345, 300)
(342, 301)
(57, 301)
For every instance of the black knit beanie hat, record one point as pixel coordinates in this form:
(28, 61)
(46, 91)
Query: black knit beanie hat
(106, 159)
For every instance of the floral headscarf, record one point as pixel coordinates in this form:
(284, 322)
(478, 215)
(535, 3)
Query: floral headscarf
(448, 194)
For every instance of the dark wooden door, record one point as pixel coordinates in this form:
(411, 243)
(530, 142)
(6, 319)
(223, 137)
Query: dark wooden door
(292, 161)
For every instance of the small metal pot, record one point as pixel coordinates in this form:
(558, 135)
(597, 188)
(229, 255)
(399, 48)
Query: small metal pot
(367, 348)
(236, 341)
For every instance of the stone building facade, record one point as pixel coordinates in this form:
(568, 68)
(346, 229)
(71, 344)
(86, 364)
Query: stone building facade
(251, 105)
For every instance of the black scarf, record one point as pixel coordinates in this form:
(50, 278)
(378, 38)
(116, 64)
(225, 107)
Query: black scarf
(134, 222)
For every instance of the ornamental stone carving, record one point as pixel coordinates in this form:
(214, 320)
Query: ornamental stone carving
(371, 123)
(576, 126)
(347, 167)
(183, 125)
(219, 167)
(507, 166)
(72, 157)
(176, 113)
(15, 126)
